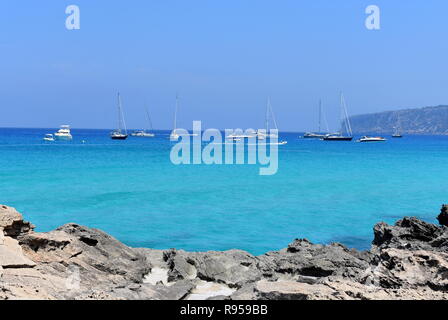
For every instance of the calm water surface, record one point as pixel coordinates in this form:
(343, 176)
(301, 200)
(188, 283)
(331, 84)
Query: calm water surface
(323, 191)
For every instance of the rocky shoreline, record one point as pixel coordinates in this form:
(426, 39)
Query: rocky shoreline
(406, 261)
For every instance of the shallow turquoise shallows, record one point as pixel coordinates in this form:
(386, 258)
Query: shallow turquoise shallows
(323, 191)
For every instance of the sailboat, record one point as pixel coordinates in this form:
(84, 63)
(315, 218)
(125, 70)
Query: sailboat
(318, 134)
(267, 134)
(120, 133)
(397, 129)
(345, 124)
(144, 133)
(174, 135)
(269, 114)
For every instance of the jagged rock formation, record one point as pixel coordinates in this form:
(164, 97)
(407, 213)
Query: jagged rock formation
(428, 120)
(443, 216)
(407, 261)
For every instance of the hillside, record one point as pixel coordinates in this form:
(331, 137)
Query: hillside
(428, 120)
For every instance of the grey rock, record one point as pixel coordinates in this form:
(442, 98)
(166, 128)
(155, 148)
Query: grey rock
(408, 260)
(411, 233)
(302, 258)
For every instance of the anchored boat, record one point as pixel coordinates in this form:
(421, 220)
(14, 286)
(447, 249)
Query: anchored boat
(397, 129)
(49, 137)
(63, 133)
(174, 136)
(144, 133)
(120, 133)
(269, 116)
(345, 125)
(371, 139)
(318, 134)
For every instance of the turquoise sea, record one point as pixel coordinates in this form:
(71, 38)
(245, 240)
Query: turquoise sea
(323, 191)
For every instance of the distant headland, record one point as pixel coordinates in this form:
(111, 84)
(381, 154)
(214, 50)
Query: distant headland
(427, 120)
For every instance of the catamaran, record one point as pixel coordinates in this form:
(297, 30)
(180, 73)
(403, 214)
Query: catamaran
(318, 134)
(144, 133)
(345, 125)
(120, 133)
(63, 133)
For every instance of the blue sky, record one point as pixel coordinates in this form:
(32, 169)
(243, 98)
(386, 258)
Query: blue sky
(223, 58)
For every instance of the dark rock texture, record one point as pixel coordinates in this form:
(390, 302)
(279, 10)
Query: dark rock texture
(443, 216)
(407, 261)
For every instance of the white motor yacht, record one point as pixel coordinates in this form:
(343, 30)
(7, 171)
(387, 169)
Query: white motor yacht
(63, 133)
(371, 139)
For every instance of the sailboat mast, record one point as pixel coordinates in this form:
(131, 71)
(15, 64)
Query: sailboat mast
(149, 119)
(119, 113)
(320, 114)
(342, 113)
(345, 117)
(273, 117)
(175, 114)
(327, 127)
(267, 115)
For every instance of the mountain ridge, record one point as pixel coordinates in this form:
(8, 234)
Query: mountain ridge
(424, 120)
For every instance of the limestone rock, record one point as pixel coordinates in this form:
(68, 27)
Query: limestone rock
(12, 222)
(408, 260)
(11, 255)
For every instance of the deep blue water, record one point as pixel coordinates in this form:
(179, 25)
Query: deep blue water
(323, 191)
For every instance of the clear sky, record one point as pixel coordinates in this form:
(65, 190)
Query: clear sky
(223, 58)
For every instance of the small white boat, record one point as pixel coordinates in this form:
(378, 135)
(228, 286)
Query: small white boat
(63, 133)
(49, 137)
(142, 133)
(371, 139)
